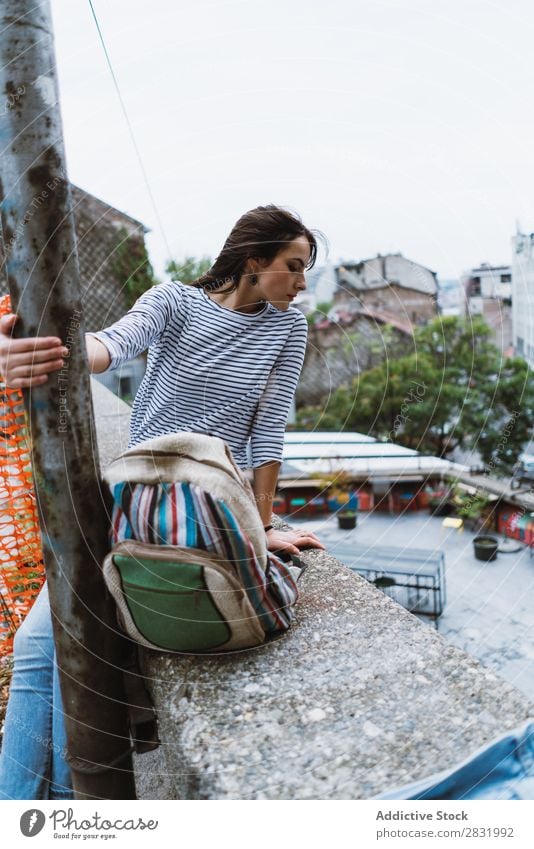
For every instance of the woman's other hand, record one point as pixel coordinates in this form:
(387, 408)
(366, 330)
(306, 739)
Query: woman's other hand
(28, 362)
(292, 541)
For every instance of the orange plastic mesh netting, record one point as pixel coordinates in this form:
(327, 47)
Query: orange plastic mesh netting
(21, 557)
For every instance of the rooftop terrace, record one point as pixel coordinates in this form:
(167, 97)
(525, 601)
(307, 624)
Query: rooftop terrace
(489, 605)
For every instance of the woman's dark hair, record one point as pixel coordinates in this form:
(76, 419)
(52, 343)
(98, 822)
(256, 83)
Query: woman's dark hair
(259, 234)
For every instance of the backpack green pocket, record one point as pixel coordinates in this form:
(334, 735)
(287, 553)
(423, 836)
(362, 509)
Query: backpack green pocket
(170, 604)
(173, 598)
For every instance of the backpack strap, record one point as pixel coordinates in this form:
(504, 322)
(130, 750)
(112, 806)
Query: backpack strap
(142, 718)
(141, 711)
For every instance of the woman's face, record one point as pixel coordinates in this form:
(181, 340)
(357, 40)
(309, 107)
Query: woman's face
(282, 279)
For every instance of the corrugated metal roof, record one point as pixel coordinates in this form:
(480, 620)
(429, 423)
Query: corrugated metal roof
(322, 451)
(371, 466)
(314, 451)
(320, 437)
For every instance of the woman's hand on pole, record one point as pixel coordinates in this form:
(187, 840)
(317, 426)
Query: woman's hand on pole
(28, 362)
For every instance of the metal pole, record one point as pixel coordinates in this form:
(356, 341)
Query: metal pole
(43, 276)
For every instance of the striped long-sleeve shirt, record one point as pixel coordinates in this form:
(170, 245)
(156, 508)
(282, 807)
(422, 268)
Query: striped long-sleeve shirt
(211, 369)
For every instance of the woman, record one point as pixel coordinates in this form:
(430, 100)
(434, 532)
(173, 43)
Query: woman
(224, 358)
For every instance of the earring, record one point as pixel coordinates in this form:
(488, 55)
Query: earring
(253, 279)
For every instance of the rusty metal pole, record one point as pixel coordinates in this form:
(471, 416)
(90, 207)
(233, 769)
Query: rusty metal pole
(43, 276)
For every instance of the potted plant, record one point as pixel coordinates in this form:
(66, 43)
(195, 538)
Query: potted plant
(485, 547)
(341, 499)
(346, 519)
(471, 508)
(338, 490)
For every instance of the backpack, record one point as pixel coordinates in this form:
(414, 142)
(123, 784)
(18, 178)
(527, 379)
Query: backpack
(188, 568)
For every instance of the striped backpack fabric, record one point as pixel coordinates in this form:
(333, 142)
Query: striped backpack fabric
(189, 568)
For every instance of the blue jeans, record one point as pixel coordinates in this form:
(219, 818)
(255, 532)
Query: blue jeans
(32, 760)
(502, 769)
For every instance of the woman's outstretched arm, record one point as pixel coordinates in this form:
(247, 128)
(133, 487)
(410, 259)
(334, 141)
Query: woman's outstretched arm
(28, 361)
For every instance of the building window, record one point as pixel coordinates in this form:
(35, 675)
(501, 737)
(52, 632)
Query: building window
(506, 278)
(125, 387)
(474, 286)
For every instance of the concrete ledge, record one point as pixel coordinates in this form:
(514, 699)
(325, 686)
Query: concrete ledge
(359, 696)
(112, 419)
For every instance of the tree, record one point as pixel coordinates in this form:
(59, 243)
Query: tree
(509, 425)
(131, 265)
(319, 313)
(388, 343)
(189, 269)
(324, 307)
(455, 390)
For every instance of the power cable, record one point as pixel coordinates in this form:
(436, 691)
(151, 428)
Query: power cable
(132, 135)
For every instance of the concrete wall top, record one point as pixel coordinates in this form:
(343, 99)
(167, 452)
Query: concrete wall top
(359, 696)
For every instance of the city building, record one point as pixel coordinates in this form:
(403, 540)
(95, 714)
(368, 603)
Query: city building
(386, 290)
(451, 297)
(321, 284)
(389, 284)
(488, 292)
(523, 296)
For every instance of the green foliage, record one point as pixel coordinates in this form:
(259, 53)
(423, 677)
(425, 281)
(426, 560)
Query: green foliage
(131, 265)
(507, 421)
(455, 390)
(335, 484)
(189, 269)
(319, 313)
(470, 506)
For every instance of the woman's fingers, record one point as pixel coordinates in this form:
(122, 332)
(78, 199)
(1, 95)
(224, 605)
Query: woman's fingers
(7, 322)
(306, 539)
(38, 355)
(29, 343)
(291, 540)
(27, 382)
(34, 370)
(39, 347)
(27, 362)
(16, 359)
(36, 345)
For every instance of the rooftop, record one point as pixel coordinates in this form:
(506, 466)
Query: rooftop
(489, 606)
(321, 451)
(486, 268)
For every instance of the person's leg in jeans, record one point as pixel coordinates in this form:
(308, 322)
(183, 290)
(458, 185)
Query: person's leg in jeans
(501, 769)
(32, 760)
(60, 777)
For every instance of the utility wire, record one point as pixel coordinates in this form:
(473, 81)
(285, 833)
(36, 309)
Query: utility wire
(132, 136)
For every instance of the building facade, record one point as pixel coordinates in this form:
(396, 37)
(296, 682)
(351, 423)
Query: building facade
(488, 292)
(523, 296)
(390, 284)
(321, 284)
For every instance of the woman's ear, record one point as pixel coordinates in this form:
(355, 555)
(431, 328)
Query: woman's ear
(254, 265)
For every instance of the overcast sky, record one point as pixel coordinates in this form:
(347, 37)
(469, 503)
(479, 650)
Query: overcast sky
(391, 125)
